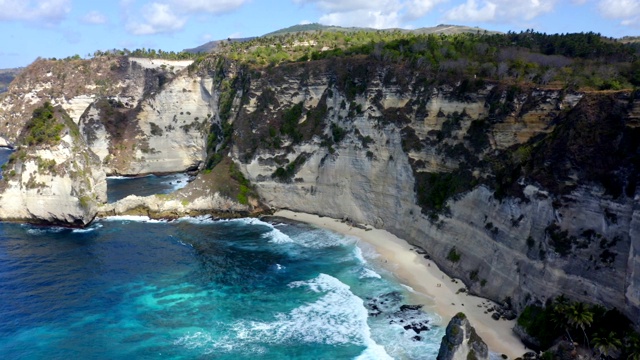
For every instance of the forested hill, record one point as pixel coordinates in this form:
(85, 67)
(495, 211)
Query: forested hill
(586, 61)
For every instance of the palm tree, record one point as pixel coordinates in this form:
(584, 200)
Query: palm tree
(632, 347)
(559, 314)
(607, 344)
(580, 316)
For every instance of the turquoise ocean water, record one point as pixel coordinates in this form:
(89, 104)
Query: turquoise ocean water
(129, 288)
(197, 288)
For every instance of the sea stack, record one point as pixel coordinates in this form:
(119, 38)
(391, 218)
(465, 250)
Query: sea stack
(461, 341)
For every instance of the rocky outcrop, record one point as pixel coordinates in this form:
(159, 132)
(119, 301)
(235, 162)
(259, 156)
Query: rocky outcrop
(173, 207)
(213, 193)
(61, 184)
(140, 115)
(461, 342)
(4, 143)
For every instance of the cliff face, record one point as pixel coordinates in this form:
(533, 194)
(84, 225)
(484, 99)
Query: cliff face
(523, 193)
(61, 183)
(139, 115)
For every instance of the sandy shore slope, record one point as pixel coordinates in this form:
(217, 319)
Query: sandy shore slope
(434, 289)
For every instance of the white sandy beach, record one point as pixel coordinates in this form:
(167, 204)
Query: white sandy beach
(433, 288)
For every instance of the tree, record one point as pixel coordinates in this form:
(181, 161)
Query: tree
(580, 316)
(607, 344)
(559, 314)
(632, 347)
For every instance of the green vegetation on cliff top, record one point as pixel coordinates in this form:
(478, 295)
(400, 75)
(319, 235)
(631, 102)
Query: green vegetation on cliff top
(43, 128)
(584, 60)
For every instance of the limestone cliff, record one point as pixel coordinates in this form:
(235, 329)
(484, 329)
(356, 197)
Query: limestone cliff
(52, 181)
(461, 342)
(139, 115)
(524, 193)
(510, 188)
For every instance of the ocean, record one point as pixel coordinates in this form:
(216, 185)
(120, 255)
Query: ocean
(198, 288)
(119, 187)
(4, 157)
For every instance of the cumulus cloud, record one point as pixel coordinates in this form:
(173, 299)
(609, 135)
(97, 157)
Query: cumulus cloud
(46, 11)
(364, 13)
(340, 6)
(419, 8)
(471, 11)
(500, 10)
(167, 16)
(627, 11)
(362, 18)
(94, 17)
(208, 6)
(157, 18)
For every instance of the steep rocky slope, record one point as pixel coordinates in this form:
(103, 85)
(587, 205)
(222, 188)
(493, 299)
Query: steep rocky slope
(56, 180)
(524, 193)
(120, 108)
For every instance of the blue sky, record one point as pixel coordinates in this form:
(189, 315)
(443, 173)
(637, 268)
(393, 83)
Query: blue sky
(60, 28)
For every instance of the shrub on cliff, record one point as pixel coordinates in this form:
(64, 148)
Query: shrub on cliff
(43, 128)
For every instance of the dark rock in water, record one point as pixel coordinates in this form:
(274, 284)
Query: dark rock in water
(417, 326)
(459, 332)
(373, 310)
(410, 307)
(386, 303)
(416, 338)
(389, 305)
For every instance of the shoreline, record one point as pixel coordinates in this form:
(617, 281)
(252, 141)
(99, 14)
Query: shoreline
(431, 287)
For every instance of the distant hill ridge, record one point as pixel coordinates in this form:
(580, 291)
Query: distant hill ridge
(214, 45)
(6, 76)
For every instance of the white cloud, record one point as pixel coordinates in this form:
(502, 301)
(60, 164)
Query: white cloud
(500, 10)
(208, 6)
(470, 11)
(157, 18)
(342, 6)
(46, 11)
(364, 13)
(363, 18)
(627, 11)
(168, 16)
(419, 8)
(94, 17)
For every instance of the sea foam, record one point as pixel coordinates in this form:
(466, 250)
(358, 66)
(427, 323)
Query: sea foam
(337, 317)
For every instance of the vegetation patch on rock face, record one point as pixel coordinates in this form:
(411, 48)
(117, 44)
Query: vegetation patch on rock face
(43, 128)
(225, 178)
(434, 189)
(285, 174)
